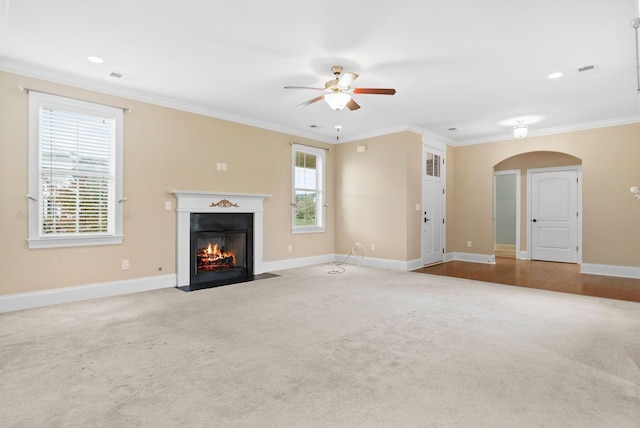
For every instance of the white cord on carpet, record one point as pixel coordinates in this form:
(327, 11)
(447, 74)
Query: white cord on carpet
(356, 251)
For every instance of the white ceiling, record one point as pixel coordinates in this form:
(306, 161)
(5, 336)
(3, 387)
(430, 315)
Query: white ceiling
(477, 66)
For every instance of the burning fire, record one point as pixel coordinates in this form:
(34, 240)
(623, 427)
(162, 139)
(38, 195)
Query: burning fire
(213, 258)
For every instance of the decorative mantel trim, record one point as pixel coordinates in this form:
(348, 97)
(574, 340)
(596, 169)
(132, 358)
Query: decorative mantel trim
(224, 203)
(193, 201)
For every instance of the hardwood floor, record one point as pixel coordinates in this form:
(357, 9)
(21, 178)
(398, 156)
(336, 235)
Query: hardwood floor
(563, 277)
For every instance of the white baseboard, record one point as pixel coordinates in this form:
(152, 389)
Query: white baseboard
(36, 299)
(475, 258)
(414, 264)
(297, 263)
(340, 258)
(16, 302)
(610, 270)
(404, 266)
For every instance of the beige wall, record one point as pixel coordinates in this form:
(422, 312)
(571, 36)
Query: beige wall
(611, 217)
(371, 195)
(376, 193)
(164, 149)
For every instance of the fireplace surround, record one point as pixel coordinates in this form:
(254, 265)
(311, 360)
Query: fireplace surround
(221, 250)
(242, 215)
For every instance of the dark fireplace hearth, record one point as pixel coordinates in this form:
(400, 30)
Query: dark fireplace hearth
(222, 249)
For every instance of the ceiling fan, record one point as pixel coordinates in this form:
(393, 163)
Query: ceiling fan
(339, 92)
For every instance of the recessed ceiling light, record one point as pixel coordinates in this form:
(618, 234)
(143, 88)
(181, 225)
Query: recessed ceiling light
(95, 59)
(555, 75)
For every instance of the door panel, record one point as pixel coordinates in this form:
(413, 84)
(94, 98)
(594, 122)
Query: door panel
(554, 216)
(432, 207)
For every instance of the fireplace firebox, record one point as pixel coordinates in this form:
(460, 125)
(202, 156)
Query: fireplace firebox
(221, 249)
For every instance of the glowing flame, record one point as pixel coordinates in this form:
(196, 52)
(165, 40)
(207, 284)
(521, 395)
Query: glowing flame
(213, 258)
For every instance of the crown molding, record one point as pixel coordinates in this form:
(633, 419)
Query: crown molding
(554, 130)
(108, 89)
(50, 75)
(397, 129)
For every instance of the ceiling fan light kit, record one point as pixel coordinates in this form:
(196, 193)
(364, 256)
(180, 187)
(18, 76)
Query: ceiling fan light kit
(337, 100)
(339, 91)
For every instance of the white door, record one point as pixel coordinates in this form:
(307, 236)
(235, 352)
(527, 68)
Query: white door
(554, 215)
(432, 206)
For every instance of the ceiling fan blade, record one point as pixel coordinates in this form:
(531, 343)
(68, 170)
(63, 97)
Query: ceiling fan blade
(379, 91)
(346, 80)
(303, 87)
(352, 105)
(306, 103)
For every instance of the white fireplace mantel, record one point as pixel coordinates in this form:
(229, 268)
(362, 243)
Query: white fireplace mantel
(193, 201)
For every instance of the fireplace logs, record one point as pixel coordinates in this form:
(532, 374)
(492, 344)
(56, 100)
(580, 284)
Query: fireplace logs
(214, 258)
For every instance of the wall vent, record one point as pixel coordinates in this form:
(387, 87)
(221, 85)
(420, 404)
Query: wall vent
(587, 69)
(118, 75)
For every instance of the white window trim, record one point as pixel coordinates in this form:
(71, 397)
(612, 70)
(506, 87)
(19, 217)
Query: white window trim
(320, 203)
(35, 240)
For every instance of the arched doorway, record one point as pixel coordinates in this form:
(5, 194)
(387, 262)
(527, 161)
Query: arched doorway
(514, 228)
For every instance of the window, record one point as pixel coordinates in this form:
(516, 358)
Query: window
(433, 165)
(308, 189)
(75, 172)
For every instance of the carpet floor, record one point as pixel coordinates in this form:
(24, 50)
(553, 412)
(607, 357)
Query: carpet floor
(365, 348)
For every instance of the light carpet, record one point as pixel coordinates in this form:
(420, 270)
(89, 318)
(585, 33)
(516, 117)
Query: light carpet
(365, 348)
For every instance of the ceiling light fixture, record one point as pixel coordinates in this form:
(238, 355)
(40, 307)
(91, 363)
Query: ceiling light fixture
(337, 100)
(555, 75)
(95, 59)
(520, 130)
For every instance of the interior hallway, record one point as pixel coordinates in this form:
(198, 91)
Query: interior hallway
(564, 277)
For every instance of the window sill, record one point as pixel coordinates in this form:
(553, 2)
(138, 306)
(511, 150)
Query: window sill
(300, 230)
(75, 241)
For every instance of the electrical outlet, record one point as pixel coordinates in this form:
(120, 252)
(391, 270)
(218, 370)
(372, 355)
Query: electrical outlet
(468, 244)
(290, 248)
(373, 247)
(125, 264)
(167, 205)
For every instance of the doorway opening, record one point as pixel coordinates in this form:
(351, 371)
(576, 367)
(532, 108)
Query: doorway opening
(506, 209)
(516, 208)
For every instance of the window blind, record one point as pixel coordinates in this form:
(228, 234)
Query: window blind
(305, 172)
(77, 173)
